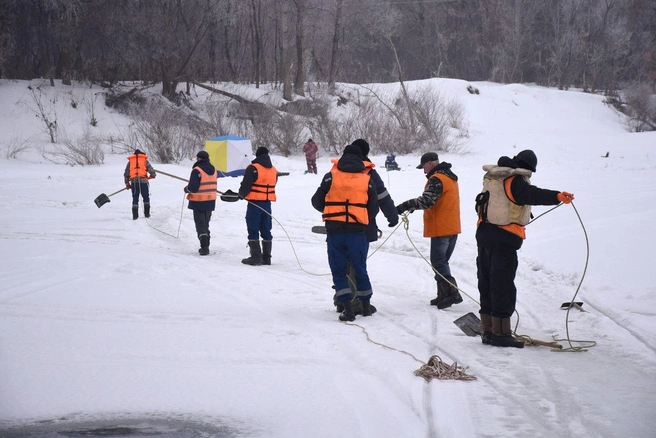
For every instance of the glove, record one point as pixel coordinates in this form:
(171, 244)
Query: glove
(403, 207)
(127, 185)
(153, 176)
(185, 190)
(565, 197)
(393, 223)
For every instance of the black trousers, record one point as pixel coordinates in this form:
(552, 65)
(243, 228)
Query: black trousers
(496, 269)
(202, 222)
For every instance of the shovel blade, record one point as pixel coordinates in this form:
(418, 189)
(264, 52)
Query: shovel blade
(229, 196)
(101, 200)
(575, 304)
(319, 229)
(470, 324)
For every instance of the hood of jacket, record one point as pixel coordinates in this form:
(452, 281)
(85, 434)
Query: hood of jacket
(206, 166)
(263, 160)
(350, 163)
(443, 168)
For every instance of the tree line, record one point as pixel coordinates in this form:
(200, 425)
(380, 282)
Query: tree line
(597, 45)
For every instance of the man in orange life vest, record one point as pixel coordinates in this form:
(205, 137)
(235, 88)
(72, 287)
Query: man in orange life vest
(136, 177)
(202, 198)
(259, 188)
(441, 204)
(347, 198)
(504, 209)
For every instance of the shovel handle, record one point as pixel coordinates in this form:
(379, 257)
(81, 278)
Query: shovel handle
(181, 179)
(118, 191)
(171, 175)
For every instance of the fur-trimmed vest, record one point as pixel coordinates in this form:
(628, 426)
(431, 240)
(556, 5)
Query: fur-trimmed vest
(496, 204)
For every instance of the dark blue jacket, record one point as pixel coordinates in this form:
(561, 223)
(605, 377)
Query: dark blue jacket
(386, 204)
(194, 185)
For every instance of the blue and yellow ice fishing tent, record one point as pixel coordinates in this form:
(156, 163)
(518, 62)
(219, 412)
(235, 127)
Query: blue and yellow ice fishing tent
(229, 154)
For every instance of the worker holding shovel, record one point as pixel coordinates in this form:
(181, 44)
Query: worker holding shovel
(136, 177)
(258, 187)
(201, 193)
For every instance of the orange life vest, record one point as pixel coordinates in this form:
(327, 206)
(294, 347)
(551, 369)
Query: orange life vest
(206, 190)
(443, 218)
(138, 167)
(264, 188)
(346, 201)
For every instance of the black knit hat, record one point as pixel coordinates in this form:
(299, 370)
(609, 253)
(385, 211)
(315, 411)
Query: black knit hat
(363, 145)
(427, 157)
(527, 159)
(137, 151)
(261, 151)
(352, 149)
(203, 155)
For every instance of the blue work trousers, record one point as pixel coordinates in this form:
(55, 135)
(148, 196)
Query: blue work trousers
(342, 248)
(258, 220)
(441, 249)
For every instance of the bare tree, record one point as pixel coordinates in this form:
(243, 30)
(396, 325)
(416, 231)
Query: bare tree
(285, 72)
(301, 12)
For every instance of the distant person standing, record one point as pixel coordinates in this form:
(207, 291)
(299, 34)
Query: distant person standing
(504, 209)
(310, 149)
(441, 204)
(258, 187)
(201, 193)
(136, 178)
(347, 200)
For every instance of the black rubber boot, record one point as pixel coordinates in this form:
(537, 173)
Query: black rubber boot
(347, 314)
(266, 252)
(486, 322)
(147, 210)
(451, 294)
(256, 254)
(366, 307)
(204, 244)
(440, 293)
(502, 334)
(135, 212)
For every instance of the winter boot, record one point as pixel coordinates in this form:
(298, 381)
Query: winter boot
(347, 314)
(147, 210)
(135, 212)
(204, 244)
(486, 322)
(339, 307)
(440, 294)
(451, 294)
(502, 335)
(256, 254)
(366, 306)
(266, 252)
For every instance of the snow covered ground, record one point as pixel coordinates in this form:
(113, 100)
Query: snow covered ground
(109, 321)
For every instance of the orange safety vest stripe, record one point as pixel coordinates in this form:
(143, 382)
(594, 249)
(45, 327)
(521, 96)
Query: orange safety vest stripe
(264, 188)
(207, 189)
(516, 229)
(138, 166)
(346, 201)
(443, 218)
